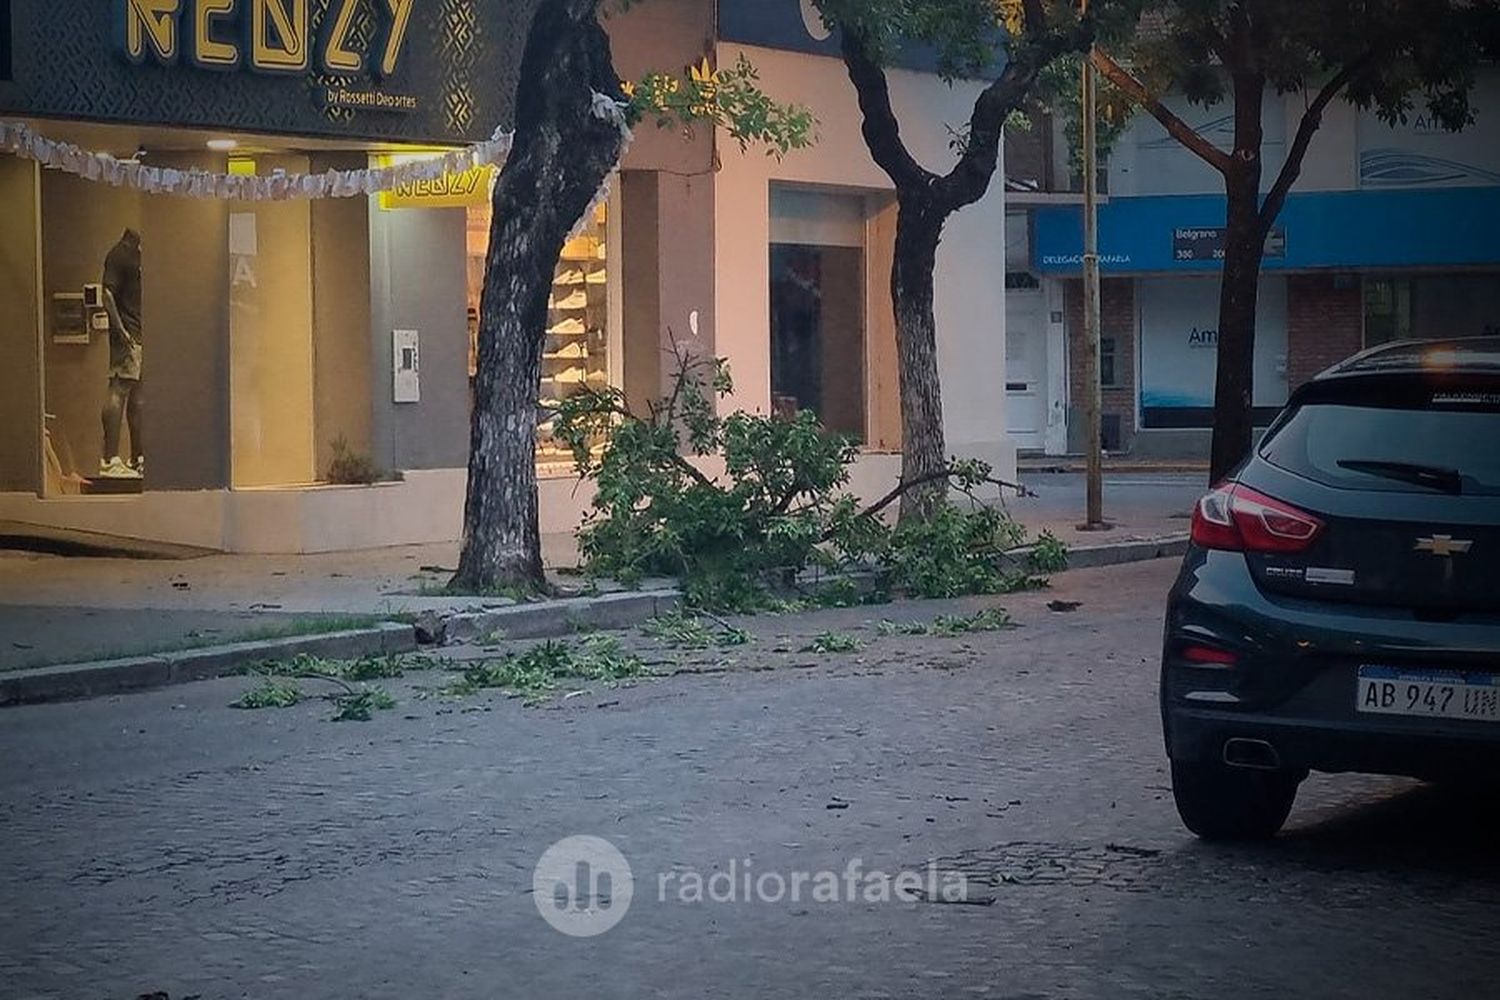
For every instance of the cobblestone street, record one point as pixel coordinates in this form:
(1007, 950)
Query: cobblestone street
(166, 842)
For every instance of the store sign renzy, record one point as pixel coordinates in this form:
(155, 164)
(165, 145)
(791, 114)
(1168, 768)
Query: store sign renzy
(264, 36)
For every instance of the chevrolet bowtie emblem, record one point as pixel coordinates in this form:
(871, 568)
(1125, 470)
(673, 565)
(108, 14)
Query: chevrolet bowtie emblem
(1444, 545)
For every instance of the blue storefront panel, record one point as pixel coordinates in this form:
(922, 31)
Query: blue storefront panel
(1452, 227)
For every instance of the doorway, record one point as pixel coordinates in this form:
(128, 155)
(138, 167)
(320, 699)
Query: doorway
(1026, 368)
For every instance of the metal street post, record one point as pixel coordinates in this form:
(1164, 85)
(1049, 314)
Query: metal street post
(1092, 400)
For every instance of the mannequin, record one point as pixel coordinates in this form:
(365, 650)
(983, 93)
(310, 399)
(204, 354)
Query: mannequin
(122, 300)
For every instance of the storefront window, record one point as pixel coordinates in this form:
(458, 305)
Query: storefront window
(1431, 307)
(817, 334)
(1179, 349)
(581, 351)
(96, 343)
(182, 345)
(818, 306)
(271, 335)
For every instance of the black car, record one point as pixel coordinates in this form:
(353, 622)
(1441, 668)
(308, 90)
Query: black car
(1339, 606)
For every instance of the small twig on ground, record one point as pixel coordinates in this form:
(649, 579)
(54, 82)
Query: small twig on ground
(348, 688)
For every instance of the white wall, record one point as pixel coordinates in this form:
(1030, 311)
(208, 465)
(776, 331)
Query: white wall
(1420, 152)
(970, 287)
(1148, 161)
(1352, 149)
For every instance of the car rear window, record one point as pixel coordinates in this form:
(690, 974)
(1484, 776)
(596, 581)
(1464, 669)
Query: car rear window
(1408, 442)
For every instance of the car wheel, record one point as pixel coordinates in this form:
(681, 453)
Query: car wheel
(1219, 802)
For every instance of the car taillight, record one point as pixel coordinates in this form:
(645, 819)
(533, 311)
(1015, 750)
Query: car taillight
(1236, 518)
(1208, 655)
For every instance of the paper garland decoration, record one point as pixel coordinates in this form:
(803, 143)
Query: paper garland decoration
(22, 140)
(104, 168)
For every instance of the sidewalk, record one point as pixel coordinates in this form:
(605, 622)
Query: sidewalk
(1112, 464)
(1138, 506)
(56, 609)
(61, 609)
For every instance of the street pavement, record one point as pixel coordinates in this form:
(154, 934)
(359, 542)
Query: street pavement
(165, 842)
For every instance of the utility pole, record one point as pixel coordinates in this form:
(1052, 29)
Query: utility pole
(1092, 399)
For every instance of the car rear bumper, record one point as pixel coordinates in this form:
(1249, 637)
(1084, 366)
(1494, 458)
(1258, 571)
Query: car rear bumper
(1302, 744)
(1293, 681)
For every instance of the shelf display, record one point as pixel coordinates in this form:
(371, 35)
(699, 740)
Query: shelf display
(575, 357)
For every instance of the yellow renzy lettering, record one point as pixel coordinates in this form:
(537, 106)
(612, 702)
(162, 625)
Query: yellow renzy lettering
(204, 48)
(399, 12)
(150, 27)
(289, 52)
(338, 57)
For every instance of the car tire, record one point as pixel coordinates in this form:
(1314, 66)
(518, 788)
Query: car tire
(1219, 802)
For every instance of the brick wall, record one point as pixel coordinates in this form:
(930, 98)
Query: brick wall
(1325, 323)
(1117, 320)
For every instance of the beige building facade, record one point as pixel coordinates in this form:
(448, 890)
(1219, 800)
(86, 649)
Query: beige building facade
(281, 335)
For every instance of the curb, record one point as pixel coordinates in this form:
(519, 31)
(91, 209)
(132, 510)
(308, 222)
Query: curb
(66, 682)
(1112, 553)
(140, 673)
(1118, 553)
(550, 619)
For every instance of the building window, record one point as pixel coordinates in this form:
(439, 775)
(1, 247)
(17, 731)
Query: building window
(817, 271)
(1431, 307)
(1388, 311)
(1109, 374)
(817, 334)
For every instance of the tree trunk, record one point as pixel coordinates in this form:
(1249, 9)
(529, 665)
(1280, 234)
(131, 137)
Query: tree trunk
(1244, 246)
(561, 156)
(925, 201)
(1234, 392)
(919, 229)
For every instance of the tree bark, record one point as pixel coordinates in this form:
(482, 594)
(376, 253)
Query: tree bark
(1244, 247)
(924, 451)
(1234, 389)
(561, 155)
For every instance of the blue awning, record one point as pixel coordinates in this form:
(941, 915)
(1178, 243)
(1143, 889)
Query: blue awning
(1457, 226)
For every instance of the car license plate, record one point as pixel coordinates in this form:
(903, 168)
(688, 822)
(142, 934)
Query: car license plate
(1442, 694)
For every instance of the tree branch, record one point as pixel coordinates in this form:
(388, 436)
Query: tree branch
(882, 131)
(1312, 119)
(970, 178)
(1175, 126)
(907, 485)
(692, 470)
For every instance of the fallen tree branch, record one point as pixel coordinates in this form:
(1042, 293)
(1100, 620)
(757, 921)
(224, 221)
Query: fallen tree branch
(910, 484)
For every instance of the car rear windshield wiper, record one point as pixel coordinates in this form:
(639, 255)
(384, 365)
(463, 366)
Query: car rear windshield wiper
(1431, 476)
